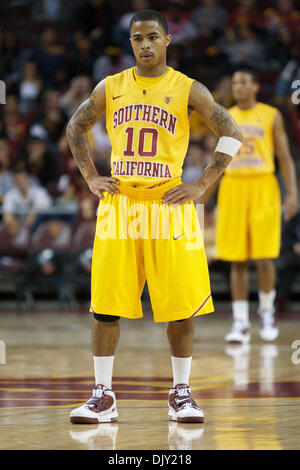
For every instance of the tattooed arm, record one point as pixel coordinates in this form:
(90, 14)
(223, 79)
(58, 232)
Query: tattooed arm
(222, 124)
(83, 119)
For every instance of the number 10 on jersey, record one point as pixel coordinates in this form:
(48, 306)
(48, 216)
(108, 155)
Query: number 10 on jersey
(142, 133)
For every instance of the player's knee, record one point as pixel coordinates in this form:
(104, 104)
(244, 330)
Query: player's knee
(240, 266)
(179, 321)
(106, 318)
(264, 264)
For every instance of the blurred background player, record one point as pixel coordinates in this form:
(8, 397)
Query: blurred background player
(249, 207)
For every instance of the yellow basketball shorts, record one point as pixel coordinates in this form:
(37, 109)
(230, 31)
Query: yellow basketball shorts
(138, 238)
(248, 218)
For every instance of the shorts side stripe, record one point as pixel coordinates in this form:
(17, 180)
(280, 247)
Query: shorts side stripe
(201, 306)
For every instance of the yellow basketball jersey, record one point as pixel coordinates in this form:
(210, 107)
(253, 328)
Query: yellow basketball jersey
(256, 155)
(148, 126)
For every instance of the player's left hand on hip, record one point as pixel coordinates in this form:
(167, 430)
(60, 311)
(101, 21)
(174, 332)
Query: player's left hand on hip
(182, 193)
(290, 206)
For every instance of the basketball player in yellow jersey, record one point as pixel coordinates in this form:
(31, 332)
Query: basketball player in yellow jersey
(147, 110)
(249, 207)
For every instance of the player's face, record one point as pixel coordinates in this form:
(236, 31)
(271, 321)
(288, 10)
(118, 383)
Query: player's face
(149, 43)
(243, 86)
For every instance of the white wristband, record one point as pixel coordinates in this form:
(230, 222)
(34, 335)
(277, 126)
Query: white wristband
(228, 145)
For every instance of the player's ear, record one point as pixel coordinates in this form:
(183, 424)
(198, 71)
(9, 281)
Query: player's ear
(256, 87)
(168, 39)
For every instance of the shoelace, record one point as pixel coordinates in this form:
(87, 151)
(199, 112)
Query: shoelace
(183, 392)
(186, 401)
(267, 319)
(96, 396)
(238, 326)
(98, 392)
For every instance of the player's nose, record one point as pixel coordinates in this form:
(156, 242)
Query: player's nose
(145, 44)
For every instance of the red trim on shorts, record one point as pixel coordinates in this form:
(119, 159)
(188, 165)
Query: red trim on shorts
(202, 305)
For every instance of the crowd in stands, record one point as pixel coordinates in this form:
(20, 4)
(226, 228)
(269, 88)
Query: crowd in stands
(52, 54)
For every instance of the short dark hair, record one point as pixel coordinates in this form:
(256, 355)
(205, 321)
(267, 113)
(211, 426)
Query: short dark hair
(251, 72)
(150, 15)
(19, 165)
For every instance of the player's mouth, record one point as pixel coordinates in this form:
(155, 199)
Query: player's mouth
(146, 56)
(238, 94)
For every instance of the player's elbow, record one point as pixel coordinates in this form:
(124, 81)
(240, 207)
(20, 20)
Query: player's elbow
(71, 128)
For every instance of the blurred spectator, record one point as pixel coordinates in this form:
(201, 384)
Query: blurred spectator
(246, 14)
(54, 10)
(65, 191)
(87, 202)
(81, 58)
(175, 56)
(284, 13)
(65, 159)
(121, 30)
(101, 146)
(49, 55)
(289, 74)
(295, 120)
(279, 47)
(15, 125)
(95, 18)
(195, 163)
(78, 92)
(288, 264)
(243, 48)
(52, 121)
(209, 19)
(41, 162)
(10, 57)
(23, 201)
(29, 88)
(179, 24)
(111, 62)
(6, 178)
(222, 93)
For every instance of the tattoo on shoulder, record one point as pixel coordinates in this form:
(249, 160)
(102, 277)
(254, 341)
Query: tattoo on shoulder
(220, 116)
(202, 88)
(86, 115)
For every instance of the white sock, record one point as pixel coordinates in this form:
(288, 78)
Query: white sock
(266, 301)
(181, 369)
(103, 367)
(240, 310)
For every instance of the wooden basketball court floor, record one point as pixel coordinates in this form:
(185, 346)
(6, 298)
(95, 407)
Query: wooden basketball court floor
(250, 394)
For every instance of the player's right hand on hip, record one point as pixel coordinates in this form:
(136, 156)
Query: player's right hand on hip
(99, 184)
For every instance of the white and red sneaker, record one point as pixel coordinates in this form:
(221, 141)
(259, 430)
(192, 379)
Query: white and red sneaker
(182, 407)
(239, 333)
(100, 408)
(268, 330)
